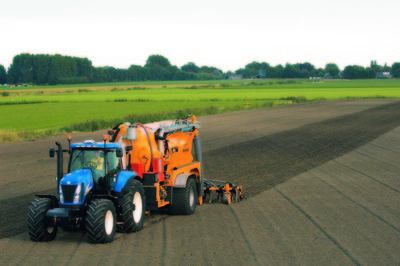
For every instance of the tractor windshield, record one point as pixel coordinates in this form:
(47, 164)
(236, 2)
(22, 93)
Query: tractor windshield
(89, 159)
(113, 162)
(94, 159)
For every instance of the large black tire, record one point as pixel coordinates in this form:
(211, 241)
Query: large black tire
(101, 221)
(36, 221)
(133, 220)
(184, 199)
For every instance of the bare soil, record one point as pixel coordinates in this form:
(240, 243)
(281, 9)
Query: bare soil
(256, 149)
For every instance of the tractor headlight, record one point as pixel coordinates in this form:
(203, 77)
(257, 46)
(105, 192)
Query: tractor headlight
(61, 196)
(77, 194)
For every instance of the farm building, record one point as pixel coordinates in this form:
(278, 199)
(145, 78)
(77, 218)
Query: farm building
(384, 75)
(234, 76)
(327, 76)
(217, 73)
(261, 75)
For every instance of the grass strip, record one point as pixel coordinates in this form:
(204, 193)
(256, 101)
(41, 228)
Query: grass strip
(98, 124)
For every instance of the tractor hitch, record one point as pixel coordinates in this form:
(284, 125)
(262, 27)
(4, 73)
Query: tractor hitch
(58, 217)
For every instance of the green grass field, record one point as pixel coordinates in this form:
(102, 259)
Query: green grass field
(30, 112)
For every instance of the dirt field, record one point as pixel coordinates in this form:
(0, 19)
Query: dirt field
(325, 214)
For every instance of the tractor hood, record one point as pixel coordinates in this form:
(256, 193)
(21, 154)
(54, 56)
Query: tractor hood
(75, 186)
(78, 177)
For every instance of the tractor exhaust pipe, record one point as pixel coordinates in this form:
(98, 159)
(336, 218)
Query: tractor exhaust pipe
(60, 164)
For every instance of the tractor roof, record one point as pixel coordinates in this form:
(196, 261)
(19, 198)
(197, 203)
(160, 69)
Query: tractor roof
(96, 145)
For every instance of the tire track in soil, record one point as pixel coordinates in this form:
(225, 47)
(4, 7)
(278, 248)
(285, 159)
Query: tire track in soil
(354, 202)
(76, 248)
(164, 239)
(259, 164)
(332, 239)
(376, 159)
(384, 148)
(370, 177)
(264, 162)
(253, 254)
(14, 213)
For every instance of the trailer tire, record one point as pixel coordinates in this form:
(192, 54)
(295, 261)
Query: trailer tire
(36, 221)
(226, 198)
(133, 220)
(184, 199)
(101, 221)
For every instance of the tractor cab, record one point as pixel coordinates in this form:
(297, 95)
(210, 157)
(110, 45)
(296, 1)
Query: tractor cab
(92, 169)
(103, 161)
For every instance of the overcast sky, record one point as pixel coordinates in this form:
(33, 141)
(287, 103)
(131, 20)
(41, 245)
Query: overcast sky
(224, 34)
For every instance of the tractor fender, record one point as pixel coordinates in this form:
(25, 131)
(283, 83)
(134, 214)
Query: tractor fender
(180, 180)
(123, 182)
(52, 197)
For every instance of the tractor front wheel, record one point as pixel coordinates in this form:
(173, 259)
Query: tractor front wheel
(38, 229)
(101, 221)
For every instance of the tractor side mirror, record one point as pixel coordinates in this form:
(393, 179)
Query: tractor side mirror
(110, 132)
(128, 148)
(51, 152)
(119, 153)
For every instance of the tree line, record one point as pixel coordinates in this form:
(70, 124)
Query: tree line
(41, 69)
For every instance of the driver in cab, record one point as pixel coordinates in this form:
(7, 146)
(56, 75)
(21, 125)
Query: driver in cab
(97, 162)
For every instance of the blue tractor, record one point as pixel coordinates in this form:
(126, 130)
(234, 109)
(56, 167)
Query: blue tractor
(98, 193)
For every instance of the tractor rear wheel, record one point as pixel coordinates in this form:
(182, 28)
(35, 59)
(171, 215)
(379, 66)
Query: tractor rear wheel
(38, 229)
(101, 221)
(133, 208)
(184, 199)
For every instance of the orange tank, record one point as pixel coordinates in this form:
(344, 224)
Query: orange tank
(140, 153)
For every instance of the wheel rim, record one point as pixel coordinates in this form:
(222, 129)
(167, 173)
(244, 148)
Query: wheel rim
(109, 222)
(226, 198)
(191, 197)
(137, 213)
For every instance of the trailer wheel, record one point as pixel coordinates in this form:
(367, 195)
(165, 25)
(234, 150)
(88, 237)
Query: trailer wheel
(36, 221)
(133, 208)
(184, 199)
(226, 198)
(101, 221)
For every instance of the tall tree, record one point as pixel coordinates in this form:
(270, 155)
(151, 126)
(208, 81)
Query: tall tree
(290, 71)
(84, 68)
(20, 70)
(396, 70)
(355, 72)
(332, 69)
(41, 68)
(274, 72)
(386, 68)
(157, 60)
(159, 68)
(191, 67)
(210, 70)
(3, 75)
(137, 73)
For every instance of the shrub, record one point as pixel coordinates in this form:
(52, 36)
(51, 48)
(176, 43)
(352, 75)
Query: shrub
(300, 99)
(224, 85)
(267, 104)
